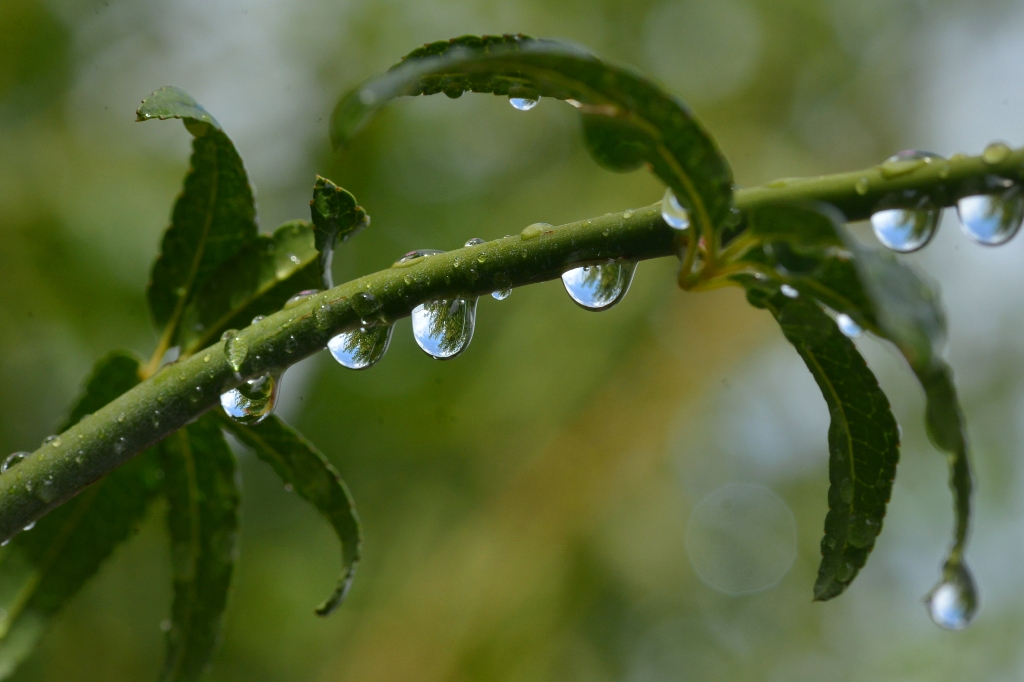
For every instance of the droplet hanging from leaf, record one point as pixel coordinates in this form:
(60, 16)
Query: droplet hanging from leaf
(598, 287)
(444, 328)
(953, 603)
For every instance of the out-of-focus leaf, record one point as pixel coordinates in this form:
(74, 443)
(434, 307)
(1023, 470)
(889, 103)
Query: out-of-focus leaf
(202, 517)
(627, 119)
(310, 474)
(335, 216)
(213, 219)
(258, 281)
(41, 569)
(885, 296)
(863, 439)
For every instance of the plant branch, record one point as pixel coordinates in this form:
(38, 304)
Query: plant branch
(182, 391)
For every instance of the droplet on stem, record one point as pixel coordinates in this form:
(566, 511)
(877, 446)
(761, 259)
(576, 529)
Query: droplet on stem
(672, 212)
(253, 401)
(906, 229)
(847, 326)
(992, 219)
(12, 460)
(501, 294)
(788, 291)
(361, 348)
(443, 329)
(598, 287)
(523, 103)
(298, 298)
(953, 603)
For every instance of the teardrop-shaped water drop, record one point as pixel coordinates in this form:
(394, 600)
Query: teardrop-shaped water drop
(847, 326)
(672, 212)
(12, 460)
(953, 603)
(361, 348)
(501, 294)
(235, 348)
(789, 292)
(992, 219)
(253, 401)
(599, 287)
(443, 329)
(523, 103)
(906, 229)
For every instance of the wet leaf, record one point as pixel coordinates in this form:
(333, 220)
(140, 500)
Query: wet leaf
(312, 476)
(863, 439)
(202, 520)
(213, 219)
(335, 216)
(627, 119)
(41, 569)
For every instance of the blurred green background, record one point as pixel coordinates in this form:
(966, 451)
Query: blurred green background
(525, 506)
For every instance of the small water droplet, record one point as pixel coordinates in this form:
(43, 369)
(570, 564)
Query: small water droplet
(991, 219)
(414, 257)
(253, 401)
(523, 103)
(501, 294)
(906, 229)
(299, 297)
(672, 212)
(288, 487)
(206, 358)
(120, 417)
(953, 603)
(235, 348)
(365, 303)
(862, 186)
(12, 460)
(443, 329)
(533, 231)
(258, 319)
(52, 440)
(476, 241)
(847, 326)
(29, 526)
(165, 625)
(290, 345)
(598, 287)
(788, 291)
(362, 348)
(905, 162)
(995, 153)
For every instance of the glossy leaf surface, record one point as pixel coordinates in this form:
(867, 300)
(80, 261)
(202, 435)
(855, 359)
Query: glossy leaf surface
(335, 216)
(311, 475)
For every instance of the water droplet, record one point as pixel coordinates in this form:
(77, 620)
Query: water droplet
(235, 348)
(52, 440)
(599, 287)
(298, 298)
(476, 241)
(501, 294)
(847, 326)
(533, 231)
(362, 348)
(523, 103)
(991, 219)
(905, 162)
(906, 229)
(165, 625)
(253, 401)
(414, 256)
(365, 303)
(322, 316)
(206, 358)
(29, 526)
(953, 603)
(741, 539)
(12, 460)
(995, 153)
(672, 212)
(288, 488)
(862, 186)
(258, 319)
(443, 329)
(120, 417)
(788, 291)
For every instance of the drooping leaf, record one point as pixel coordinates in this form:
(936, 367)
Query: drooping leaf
(202, 518)
(863, 438)
(888, 298)
(335, 216)
(213, 219)
(311, 475)
(41, 569)
(628, 120)
(258, 281)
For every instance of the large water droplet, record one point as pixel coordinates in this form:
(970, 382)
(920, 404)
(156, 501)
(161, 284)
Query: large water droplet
(906, 229)
(995, 153)
(235, 348)
(599, 287)
(443, 329)
(523, 103)
(501, 294)
(953, 603)
(12, 460)
(361, 348)
(789, 292)
(992, 219)
(741, 539)
(253, 401)
(847, 326)
(672, 212)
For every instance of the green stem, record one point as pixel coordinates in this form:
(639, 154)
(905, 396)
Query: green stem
(180, 392)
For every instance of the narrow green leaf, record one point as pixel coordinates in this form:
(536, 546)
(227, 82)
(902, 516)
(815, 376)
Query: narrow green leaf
(258, 281)
(628, 120)
(213, 219)
(311, 475)
(41, 569)
(202, 517)
(335, 216)
(863, 439)
(885, 296)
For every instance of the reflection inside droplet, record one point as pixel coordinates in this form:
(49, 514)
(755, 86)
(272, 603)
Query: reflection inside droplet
(741, 539)
(443, 329)
(253, 401)
(361, 348)
(905, 229)
(953, 603)
(991, 219)
(672, 212)
(598, 287)
(847, 326)
(523, 103)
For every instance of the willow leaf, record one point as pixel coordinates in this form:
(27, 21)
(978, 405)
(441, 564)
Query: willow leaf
(863, 439)
(202, 518)
(627, 119)
(335, 216)
(311, 475)
(213, 219)
(41, 569)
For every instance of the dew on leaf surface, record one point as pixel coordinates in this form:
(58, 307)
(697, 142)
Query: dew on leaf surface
(444, 328)
(598, 287)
